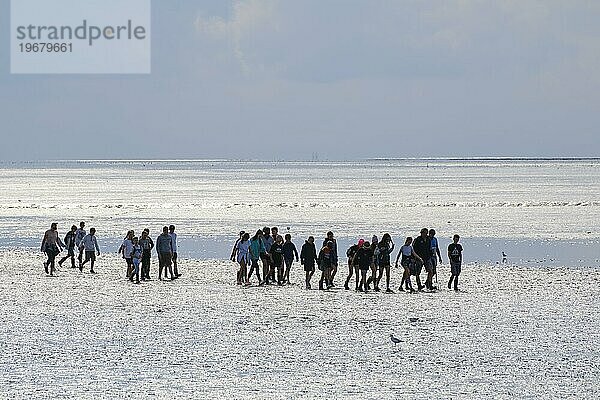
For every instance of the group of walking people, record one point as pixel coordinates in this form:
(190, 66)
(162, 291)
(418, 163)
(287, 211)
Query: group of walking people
(76, 240)
(367, 261)
(137, 252)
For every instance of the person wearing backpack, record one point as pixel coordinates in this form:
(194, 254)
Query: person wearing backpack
(70, 246)
(256, 249)
(353, 267)
(374, 254)
(334, 255)
(385, 248)
(422, 246)
(363, 258)
(325, 262)
(408, 263)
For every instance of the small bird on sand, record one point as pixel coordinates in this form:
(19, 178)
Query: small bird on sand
(395, 340)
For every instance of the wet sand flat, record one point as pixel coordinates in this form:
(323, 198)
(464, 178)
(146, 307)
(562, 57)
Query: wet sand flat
(513, 332)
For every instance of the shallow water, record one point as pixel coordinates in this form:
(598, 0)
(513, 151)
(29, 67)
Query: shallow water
(512, 333)
(534, 210)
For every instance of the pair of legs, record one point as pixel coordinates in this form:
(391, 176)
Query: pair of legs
(71, 255)
(242, 275)
(387, 276)
(363, 285)
(254, 266)
(146, 255)
(90, 257)
(288, 267)
(373, 277)
(430, 268)
(164, 261)
(325, 280)
(455, 268)
(309, 270)
(136, 270)
(332, 273)
(266, 268)
(406, 279)
(129, 262)
(412, 268)
(80, 256)
(175, 270)
(350, 271)
(51, 253)
(280, 273)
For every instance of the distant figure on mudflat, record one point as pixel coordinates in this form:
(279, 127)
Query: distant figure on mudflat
(89, 245)
(308, 258)
(70, 246)
(255, 251)
(174, 244)
(126, 249)
(435, 254)
(422, 246)
(242, 252)
(52, 246)
(353, 268)
(289, 253)
(147, 246)
(385, 249)
(79, 235)
(334, 256)
(455, 256)
(410, 260)
(164, 248)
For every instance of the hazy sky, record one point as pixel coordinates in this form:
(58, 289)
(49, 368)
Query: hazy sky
(268, 79)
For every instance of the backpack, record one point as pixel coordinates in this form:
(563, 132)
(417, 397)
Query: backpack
(351, 251)
(68, 239)
(381, 253)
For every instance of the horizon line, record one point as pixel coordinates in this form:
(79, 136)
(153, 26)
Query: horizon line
(366, 159)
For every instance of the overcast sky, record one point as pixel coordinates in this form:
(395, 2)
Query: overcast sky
(268, 79)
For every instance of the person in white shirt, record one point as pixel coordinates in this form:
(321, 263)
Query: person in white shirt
(174, 244)
(126, 249)
(79, 235)
(89, 244)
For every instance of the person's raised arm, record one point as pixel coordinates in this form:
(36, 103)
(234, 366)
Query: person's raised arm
(234, 250)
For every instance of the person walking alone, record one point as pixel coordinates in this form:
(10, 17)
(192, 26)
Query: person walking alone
(52, 246)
